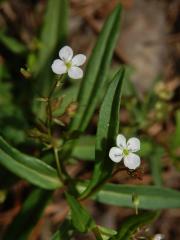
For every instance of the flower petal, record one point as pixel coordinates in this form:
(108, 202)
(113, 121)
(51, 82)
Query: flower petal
(66, 53)
(132, 161)
(115, 154)
(75, 72)
(133, 144)
(78, 60)
(58, 67)
(158, 237)
(121, 141)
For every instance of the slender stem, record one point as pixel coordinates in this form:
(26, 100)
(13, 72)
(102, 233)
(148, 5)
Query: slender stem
(57, 83)
(49, 109)
(53, 89)
(60, 173)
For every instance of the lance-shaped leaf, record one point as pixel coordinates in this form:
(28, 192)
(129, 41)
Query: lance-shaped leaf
(106, 233)
(150, 197)
(29, 168)
(85, 148)
(175, 140)
(108, 127)
(54, 32)
(132, 223)
(28, 216)
(12, 44)
(156, 166)
(81, 219)
(174, 143)
(96, 71)
(53, 37)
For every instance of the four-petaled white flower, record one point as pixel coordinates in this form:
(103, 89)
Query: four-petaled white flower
(125, 150)
(69, 64)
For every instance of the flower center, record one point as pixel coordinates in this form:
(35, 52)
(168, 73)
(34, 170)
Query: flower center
(125, 151)
(68, 65)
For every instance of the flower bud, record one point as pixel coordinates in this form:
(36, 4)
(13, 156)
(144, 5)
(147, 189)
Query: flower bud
(2, 196)
(26, 73)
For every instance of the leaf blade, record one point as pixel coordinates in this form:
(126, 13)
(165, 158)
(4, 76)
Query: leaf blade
(81, 219)
(94, 77)
(156, 165)
(53, 36)
(108, 126)
(65, 231)
(29, 168)
(29, 215)
(132, 223)
(85, 148)
(150, 197)
(55, 19)
(12, 44)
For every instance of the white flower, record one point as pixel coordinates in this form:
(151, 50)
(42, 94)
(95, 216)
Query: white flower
(126, 151)
(158, 237)
(69, 64)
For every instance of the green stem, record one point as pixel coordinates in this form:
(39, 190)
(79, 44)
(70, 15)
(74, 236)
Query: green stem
(49, 109)
(58, 164)
(58, 83)
(49, 125)
(52, 89)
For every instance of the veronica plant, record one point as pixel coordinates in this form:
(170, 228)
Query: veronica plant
(62, 137)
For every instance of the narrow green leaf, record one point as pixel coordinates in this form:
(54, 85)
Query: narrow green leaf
(97, 233)
(146, 148)
(106, 233)
(155, 164)
(132, 223)
(151, 197)
(12, 44)
(29, 168)
(54, 32)
(176, 137)
(96, 71)
(85, 148)
(65, 231)
(81, 219)
(175, 141)
(28, 216)
(53, 37)
(108, 127)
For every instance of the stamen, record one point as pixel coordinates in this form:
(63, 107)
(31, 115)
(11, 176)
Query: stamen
(68, 64)
(125, 152)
